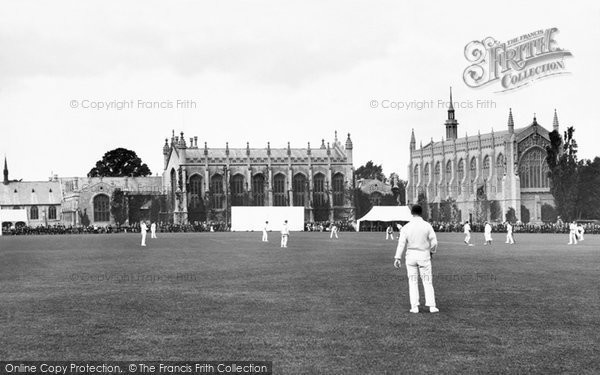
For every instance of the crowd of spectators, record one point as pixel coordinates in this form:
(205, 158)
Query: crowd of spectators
(321, 226)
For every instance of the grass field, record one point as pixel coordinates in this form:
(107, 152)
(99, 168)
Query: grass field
(320, 306)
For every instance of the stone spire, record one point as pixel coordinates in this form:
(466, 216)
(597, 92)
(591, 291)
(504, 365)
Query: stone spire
(5, 182)
(511, 123)
(451, 123)
(413, 142)
(555, 121)
(166, 149)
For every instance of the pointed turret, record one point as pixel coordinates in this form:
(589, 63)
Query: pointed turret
(451, 123)
(348, 147)
(413, 142)
(5, 182)
(511, 123)
(166, 149)
(323, 144)
(555, 121)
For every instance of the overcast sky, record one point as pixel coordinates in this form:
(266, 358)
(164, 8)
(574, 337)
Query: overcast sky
(270, 71)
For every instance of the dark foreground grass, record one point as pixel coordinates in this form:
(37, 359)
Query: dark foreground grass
(319, 306)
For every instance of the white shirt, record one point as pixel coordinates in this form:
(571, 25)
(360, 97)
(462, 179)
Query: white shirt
(573, 228)
(508, 228)
(418, 238)
(153, 227)
(285, 230)
(143, 227)
(488, 229)
(467, 228)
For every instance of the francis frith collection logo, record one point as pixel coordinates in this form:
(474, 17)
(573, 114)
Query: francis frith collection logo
(515, 63)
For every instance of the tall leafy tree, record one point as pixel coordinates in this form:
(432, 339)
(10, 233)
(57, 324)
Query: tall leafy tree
(118, 206)
(588, 197)
(120, 162)
(370, 171)
(561, 157)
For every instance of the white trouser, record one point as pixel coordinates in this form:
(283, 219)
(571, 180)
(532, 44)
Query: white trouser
(332, 234)
(416, 264)
(468, 237)
(572, 238)
(143, 238)
(388, 235)
(265, 236)
(153, 234)
(284, 239)
(509, 238)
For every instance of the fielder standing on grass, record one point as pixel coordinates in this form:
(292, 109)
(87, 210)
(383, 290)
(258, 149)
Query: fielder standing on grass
(418, 240)
(153, 230)
(509, 234)
(285, 234)
(487, 232)
(467, 230)
(143, 230)
(265, 237)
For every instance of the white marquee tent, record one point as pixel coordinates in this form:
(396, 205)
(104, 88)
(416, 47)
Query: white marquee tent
(386, 213)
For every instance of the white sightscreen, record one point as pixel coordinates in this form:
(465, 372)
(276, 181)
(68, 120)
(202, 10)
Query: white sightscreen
(253, 218)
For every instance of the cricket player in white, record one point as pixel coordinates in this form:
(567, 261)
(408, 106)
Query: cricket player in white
(285, 233)
(143, 230)
(487, 231)
(334, 231)
(418, 240)
(509, 234)
(580, 232)
(265, 237)
(572, 234)
(153, 230)
(467, 230)
(389, 232)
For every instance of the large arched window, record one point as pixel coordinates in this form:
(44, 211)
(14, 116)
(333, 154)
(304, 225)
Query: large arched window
(216, 190)
(319, 190)
(416, 175)
(499, 172)
(486, 167)
(258, 189)
(299, 188)
(436, 178)
(52, 213)
(486, 172)
(472, 171)
(101, 208)
(533, 169)
(448, 176)
(173, 183)
(34, 213)
(279, 190)
(338, 189)
(426, 174)
(195, 192)
(237, 190)
(460, 171)
(195, 203)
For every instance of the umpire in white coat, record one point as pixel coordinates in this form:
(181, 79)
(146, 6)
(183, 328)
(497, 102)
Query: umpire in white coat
(418, 241)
